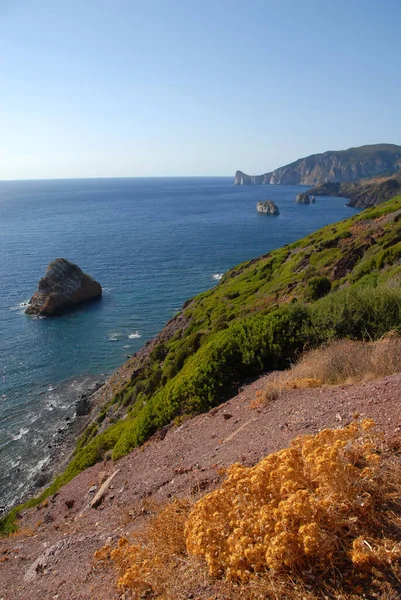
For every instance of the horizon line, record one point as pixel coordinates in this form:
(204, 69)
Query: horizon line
(117, 177)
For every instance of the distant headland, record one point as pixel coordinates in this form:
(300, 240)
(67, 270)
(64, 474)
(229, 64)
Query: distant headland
(331, 166)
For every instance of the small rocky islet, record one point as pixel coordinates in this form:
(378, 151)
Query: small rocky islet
(267, 207)
(305, 199)
(63, 286)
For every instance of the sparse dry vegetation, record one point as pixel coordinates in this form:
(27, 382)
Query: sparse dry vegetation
(149, 562)
(319, 519)
(347, 361)
(340, 362)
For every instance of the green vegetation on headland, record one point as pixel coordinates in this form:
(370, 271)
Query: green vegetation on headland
(341, 281)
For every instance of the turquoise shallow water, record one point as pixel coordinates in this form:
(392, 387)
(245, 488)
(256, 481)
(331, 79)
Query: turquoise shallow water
(152, 243)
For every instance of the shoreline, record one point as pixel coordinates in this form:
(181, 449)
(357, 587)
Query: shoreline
(62, 445)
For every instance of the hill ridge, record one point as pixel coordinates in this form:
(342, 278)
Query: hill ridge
(331, 166)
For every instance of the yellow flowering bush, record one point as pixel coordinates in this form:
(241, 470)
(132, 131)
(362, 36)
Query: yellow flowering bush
(329, 504)
(305, 506)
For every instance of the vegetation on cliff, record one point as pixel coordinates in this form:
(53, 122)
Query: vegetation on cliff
(344, 281)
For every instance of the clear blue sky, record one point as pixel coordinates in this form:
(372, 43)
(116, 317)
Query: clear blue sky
(94, 88)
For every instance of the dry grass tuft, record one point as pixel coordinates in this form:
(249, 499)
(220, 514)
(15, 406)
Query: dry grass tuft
(347, 361)
(151, 563)
(319, 519)
(341, 361)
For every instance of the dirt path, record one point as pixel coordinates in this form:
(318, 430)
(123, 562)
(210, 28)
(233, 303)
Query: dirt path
(54, 561)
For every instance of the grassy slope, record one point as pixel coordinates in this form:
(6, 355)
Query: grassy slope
(261, 314)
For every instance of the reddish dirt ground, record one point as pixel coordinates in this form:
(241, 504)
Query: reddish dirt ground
(53, 560)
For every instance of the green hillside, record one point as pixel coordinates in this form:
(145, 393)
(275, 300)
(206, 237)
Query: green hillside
(257, 318)
(341, 281)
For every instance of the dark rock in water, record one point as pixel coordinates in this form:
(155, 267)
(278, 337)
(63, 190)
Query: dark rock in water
(303, 199)
(267, 208)
(42, 479)
(63, 286)
(83, 406)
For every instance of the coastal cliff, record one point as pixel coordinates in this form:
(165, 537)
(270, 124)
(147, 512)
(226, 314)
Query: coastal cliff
(362, 193)
(221, 337)
(337, 166)
(188, 394)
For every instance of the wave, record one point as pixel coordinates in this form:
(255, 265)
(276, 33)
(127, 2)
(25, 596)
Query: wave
(135, 335)
(114, 336)
(18, 436)
(217, 276)
(20, 307)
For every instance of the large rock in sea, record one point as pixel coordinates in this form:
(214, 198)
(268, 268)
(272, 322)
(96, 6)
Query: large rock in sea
(63, 286)
(267, 208)
(303, 199)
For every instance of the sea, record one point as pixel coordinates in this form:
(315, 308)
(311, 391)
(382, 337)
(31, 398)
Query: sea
(152, 243)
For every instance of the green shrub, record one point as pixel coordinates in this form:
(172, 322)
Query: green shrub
(317, 287)
(357, 312)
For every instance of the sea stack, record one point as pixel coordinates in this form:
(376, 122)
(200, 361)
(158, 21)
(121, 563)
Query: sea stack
(267, 208)
(63, 286)
(303, 199)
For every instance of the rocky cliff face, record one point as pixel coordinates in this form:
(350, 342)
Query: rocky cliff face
(339, 166)
(63, 286)
(363, 193)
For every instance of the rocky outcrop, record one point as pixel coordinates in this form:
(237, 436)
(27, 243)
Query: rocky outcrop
(363, 193)
(303, 199)
(340, 166)
(244, 179)
(63, 286)
(267, 208)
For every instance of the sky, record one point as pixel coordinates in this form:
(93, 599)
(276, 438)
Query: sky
(133, 88)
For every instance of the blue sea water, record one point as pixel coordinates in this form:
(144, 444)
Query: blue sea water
(152, 243)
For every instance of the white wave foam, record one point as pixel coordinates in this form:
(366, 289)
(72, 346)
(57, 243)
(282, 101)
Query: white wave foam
(18, 436)
(217, 276)
(50, 388)
(21, 306)
(114, 336)
(135, 335)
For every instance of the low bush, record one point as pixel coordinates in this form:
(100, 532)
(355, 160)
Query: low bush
(327, 509)
(317, 287)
